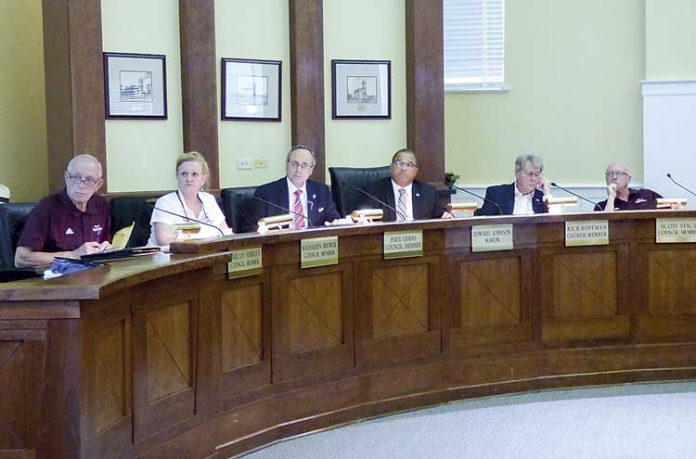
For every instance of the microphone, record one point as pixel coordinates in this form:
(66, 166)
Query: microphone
(500, 211)
(556, 185)
(396, 212)
(190, 219)
(287, 211)
(669, 176)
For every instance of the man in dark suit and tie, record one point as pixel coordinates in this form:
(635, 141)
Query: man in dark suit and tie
(309, 201)
(412, 200)
(523, 196)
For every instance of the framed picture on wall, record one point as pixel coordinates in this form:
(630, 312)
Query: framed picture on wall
(361, 89)
(251, 89)
(135, 86)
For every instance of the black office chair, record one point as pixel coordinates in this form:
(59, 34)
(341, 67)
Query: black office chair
(13, 216)
(344, 180)
(132, 209)
(237, 204)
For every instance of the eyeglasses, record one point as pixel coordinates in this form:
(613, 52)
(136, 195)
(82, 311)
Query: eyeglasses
(77, 179)
(406, 164)
(616, 174)
(302, 166)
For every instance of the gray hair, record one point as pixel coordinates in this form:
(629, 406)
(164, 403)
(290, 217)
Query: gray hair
(534, 160)
(301, 147)
(86, 157)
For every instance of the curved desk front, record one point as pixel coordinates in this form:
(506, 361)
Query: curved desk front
(165, 356)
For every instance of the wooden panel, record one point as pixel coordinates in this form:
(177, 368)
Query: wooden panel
(399, 311)
(490, 301)
(307, 82)
(425, 98)
(586, 297)
(315, 313)
(584, 286)
(199, 81)
(165, 337)
(74, 84)
(312, 311)
(241, 327)
(400, 301)
(21, 379)
(112, 374)
(168, 357)
(672, 285)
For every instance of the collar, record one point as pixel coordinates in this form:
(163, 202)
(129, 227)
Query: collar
(396, 187)
(519, 193)
(67, 202)
(292, 188)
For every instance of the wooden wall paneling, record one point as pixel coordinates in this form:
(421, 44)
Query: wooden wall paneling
(586, 293)
(107, 358)
(74, 80)
(666, 303)
(245, 322)
(165, 357)
(61, 411)
(425, 97)
(491, 301)
(199, 81)
(312, 314)
(307, 81)
(398, 311)
(22, 350)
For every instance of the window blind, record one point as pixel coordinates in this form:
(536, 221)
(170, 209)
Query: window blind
(474, 44)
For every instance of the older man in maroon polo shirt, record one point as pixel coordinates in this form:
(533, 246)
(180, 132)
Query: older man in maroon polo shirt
(69, 224)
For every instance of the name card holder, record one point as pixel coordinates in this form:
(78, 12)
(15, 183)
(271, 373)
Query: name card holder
(318, 251)
(403, 244)
(488, 238)
(586, 233)
(245, 262)
(675, 230)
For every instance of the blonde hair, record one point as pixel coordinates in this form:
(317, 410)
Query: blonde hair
(196, 157)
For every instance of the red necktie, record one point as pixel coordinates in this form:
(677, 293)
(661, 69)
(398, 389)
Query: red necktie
(299, 219)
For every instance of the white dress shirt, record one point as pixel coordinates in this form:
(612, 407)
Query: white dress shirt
(523, 203)
(303, 199)
(409, 200)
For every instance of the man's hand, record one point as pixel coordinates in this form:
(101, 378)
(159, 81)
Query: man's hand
(545, 186)
(611, 190)
(90, 247)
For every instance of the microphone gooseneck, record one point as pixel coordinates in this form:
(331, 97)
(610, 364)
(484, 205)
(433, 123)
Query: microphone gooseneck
(288, 211)
(556, 185)
(396, 212)
(500, 211)
(185, 217)
(669, 176)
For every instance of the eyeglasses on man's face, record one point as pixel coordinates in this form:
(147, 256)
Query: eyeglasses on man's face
(609, 174)
(78, 179)
(298, 165)
(406, 164)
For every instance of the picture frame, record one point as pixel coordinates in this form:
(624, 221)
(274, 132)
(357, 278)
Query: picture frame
(135, 86)
(251, 89)
(361, 89)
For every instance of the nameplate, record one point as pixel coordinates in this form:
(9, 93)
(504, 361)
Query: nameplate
(403, 244)
(586, 232)
(319, 251)
(486, 238)
(675, 230)
(244, 262)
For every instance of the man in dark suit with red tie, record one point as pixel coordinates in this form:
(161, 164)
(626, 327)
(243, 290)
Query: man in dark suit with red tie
(309, 201)
(407, 198)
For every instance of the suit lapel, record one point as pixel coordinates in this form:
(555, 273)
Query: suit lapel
(510, 200)
(416, 200)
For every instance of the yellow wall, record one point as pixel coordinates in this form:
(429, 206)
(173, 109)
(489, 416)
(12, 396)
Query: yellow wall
(253, 30)
(141, 154)
(573, 69)
(670, 39)
(23, 150)
(365, 29)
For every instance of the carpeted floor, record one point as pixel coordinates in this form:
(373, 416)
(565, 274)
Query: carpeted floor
(630, 421)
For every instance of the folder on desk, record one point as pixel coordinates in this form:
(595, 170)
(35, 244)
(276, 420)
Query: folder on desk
(115, 254)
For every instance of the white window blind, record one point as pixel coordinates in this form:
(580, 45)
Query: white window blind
(474, 42)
